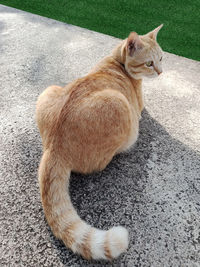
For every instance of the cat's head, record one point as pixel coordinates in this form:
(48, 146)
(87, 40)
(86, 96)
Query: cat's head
(143, 55)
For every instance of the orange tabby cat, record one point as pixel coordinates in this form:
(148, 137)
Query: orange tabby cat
(85, 124)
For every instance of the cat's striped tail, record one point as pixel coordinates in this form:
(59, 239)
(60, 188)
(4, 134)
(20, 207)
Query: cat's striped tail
(64, 221)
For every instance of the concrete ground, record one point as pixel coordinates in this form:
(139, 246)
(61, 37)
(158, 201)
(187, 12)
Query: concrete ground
(153, 190)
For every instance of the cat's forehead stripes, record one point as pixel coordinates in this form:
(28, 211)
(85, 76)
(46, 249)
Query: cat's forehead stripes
(155, 53)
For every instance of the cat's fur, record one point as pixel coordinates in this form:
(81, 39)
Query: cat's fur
(83, 125)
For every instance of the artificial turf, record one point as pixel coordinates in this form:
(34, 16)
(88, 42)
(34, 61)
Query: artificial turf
(181, 19)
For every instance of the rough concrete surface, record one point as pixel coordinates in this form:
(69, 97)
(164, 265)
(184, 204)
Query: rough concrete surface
(153, 190)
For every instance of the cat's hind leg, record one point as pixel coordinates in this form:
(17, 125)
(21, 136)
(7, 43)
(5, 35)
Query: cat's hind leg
(47, 107)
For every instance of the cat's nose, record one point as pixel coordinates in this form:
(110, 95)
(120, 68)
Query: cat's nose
(159, 72)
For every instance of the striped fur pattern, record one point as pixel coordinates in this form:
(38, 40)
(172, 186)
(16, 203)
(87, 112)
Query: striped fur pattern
(83, 125)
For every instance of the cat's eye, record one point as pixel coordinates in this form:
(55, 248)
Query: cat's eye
(149, 63)
(161, 59)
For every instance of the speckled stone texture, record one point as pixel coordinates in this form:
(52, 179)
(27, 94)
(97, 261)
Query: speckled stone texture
(153, 190)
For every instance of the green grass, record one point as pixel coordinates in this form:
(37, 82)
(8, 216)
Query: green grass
(180, 34)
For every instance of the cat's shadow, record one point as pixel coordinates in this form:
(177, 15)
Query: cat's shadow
(115, 195)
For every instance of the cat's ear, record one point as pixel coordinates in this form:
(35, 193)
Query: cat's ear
(153, 34)
(133, 43)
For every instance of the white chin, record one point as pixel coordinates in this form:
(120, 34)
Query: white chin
(152, 76)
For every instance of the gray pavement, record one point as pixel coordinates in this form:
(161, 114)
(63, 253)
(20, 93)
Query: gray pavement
(153, 190)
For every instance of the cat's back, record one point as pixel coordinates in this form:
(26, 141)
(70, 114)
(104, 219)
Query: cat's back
(100, 88)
